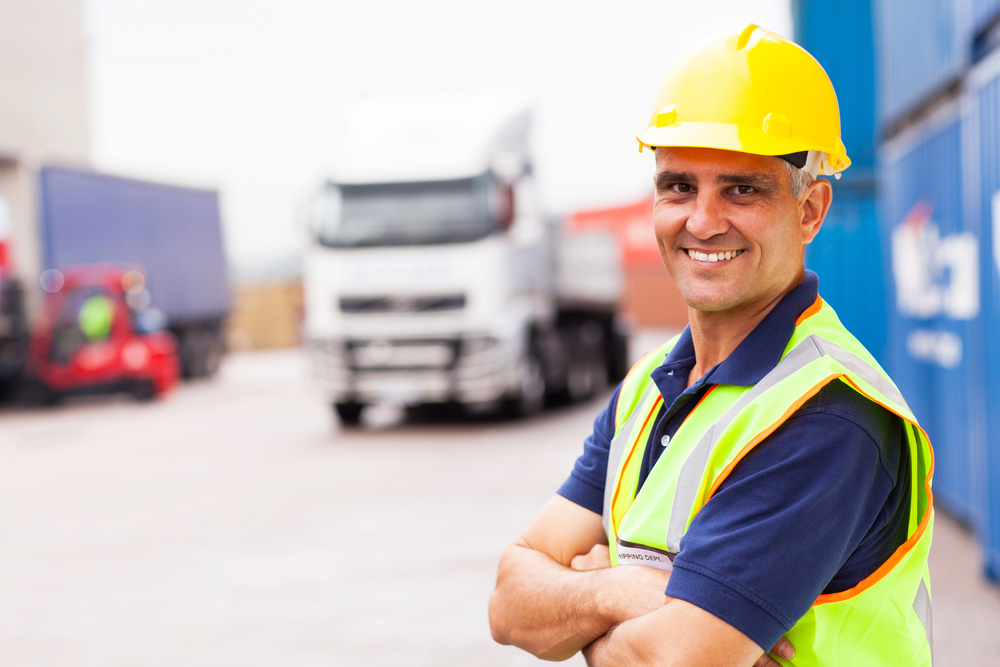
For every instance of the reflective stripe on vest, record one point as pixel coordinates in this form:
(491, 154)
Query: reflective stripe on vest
(724, 427)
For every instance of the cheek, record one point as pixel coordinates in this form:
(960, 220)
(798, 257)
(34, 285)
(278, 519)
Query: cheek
(780, 246)
(666, 223)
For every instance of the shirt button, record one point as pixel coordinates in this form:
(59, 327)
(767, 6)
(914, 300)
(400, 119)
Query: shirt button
(665, 440)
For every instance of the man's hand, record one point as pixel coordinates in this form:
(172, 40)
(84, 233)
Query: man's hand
(598, 558)
(555, 591)
(783, 648)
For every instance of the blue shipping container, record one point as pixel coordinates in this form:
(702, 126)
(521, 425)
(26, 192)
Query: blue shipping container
(921, 48)
(985, 85)
(173, 233)
(983, 13)
(849, 60)
(934, 315)
(847, 256)
(847, 253)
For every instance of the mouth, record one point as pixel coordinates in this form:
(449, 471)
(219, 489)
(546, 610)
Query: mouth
(713, 256)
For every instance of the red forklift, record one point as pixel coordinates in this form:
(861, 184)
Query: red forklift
(97, 332)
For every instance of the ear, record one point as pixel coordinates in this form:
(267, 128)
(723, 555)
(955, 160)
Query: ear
(813, 206)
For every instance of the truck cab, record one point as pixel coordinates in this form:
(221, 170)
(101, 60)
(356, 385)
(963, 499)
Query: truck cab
(431, 276)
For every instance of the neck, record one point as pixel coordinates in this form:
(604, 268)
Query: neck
(715, 334)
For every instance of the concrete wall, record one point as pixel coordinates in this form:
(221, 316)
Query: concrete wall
(43, 108)
(43, 80)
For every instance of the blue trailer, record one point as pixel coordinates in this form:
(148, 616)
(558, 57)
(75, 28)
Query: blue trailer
(173, 233)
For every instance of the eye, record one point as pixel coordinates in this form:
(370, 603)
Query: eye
(744, 189)
(682, 188)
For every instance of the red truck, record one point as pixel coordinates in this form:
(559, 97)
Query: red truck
(97, 332)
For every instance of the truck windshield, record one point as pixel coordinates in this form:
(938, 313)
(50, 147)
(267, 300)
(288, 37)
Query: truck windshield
(452, 211)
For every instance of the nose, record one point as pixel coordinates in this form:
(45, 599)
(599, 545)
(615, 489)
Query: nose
(708, 218)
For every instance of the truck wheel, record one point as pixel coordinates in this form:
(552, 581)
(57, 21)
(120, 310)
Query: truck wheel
(618, 360)
(193, 352)
(36, 393)
(201, 353)
(213, 357)
(349, 413)
(586, 378)
(530, 397)
(588, 368)
(143, 390)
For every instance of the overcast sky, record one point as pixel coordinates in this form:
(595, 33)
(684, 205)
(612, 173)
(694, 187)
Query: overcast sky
(247, 95)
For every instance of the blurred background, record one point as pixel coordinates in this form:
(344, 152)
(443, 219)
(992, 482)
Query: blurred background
(306, 308)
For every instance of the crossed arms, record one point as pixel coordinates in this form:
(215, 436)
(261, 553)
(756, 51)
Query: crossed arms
(556, 595)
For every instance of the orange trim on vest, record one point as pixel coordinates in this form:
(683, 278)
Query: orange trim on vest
(618, 486)
(904, 548)
(656, 403)
(816, 306)
(763, 434)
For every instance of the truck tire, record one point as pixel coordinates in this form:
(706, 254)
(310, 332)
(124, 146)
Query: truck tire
(618, 359)
(588, 367)
(349, 413)
(586, 378)
(529, 398)
(35, 393)
(193, 351)
(201, 352)
(143, 390)
(213, 357)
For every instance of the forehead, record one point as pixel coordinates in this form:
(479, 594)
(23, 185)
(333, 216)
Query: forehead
(708, 161)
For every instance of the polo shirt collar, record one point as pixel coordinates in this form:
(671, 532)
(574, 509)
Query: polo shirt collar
(758, 353)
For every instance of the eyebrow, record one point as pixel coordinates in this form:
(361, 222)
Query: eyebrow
(665, 178)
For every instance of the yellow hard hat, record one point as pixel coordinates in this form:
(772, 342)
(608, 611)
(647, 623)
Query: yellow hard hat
(752, 91)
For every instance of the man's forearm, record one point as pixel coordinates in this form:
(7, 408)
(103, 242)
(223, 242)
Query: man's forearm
(553, 611)
(677, 634)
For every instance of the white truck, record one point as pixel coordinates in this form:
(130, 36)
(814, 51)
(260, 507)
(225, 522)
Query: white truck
(434, 277)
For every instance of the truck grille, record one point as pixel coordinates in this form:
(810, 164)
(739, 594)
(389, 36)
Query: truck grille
(397, 304)
(410, 354)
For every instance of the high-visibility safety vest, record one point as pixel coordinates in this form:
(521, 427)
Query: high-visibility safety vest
(883, 620)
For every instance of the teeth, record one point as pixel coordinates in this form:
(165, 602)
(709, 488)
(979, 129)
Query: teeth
(713, 257)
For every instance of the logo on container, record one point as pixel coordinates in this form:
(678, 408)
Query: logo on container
(935, 275)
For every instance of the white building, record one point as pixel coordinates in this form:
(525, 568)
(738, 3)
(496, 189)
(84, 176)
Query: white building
(43, 109)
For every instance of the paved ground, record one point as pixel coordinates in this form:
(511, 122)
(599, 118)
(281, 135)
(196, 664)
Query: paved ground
(234, 525)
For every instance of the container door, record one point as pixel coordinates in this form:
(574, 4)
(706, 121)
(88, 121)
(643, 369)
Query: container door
(986, 117)
(922, 47)
(934, 304)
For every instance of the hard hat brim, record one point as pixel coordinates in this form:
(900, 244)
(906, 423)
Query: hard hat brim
(739, 138)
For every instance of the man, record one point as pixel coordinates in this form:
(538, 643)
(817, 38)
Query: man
(759, 475)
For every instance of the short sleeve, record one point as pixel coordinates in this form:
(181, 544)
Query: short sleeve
(585, 484)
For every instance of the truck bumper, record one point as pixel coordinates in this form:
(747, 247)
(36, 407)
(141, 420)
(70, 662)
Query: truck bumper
(467, 370)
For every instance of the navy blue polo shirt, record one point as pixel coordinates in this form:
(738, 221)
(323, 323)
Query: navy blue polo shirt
(814, 508)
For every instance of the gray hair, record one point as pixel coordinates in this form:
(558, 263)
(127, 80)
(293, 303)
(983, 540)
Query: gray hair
(801, 179)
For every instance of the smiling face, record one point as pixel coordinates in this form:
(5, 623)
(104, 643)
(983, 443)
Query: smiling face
(729, 230)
